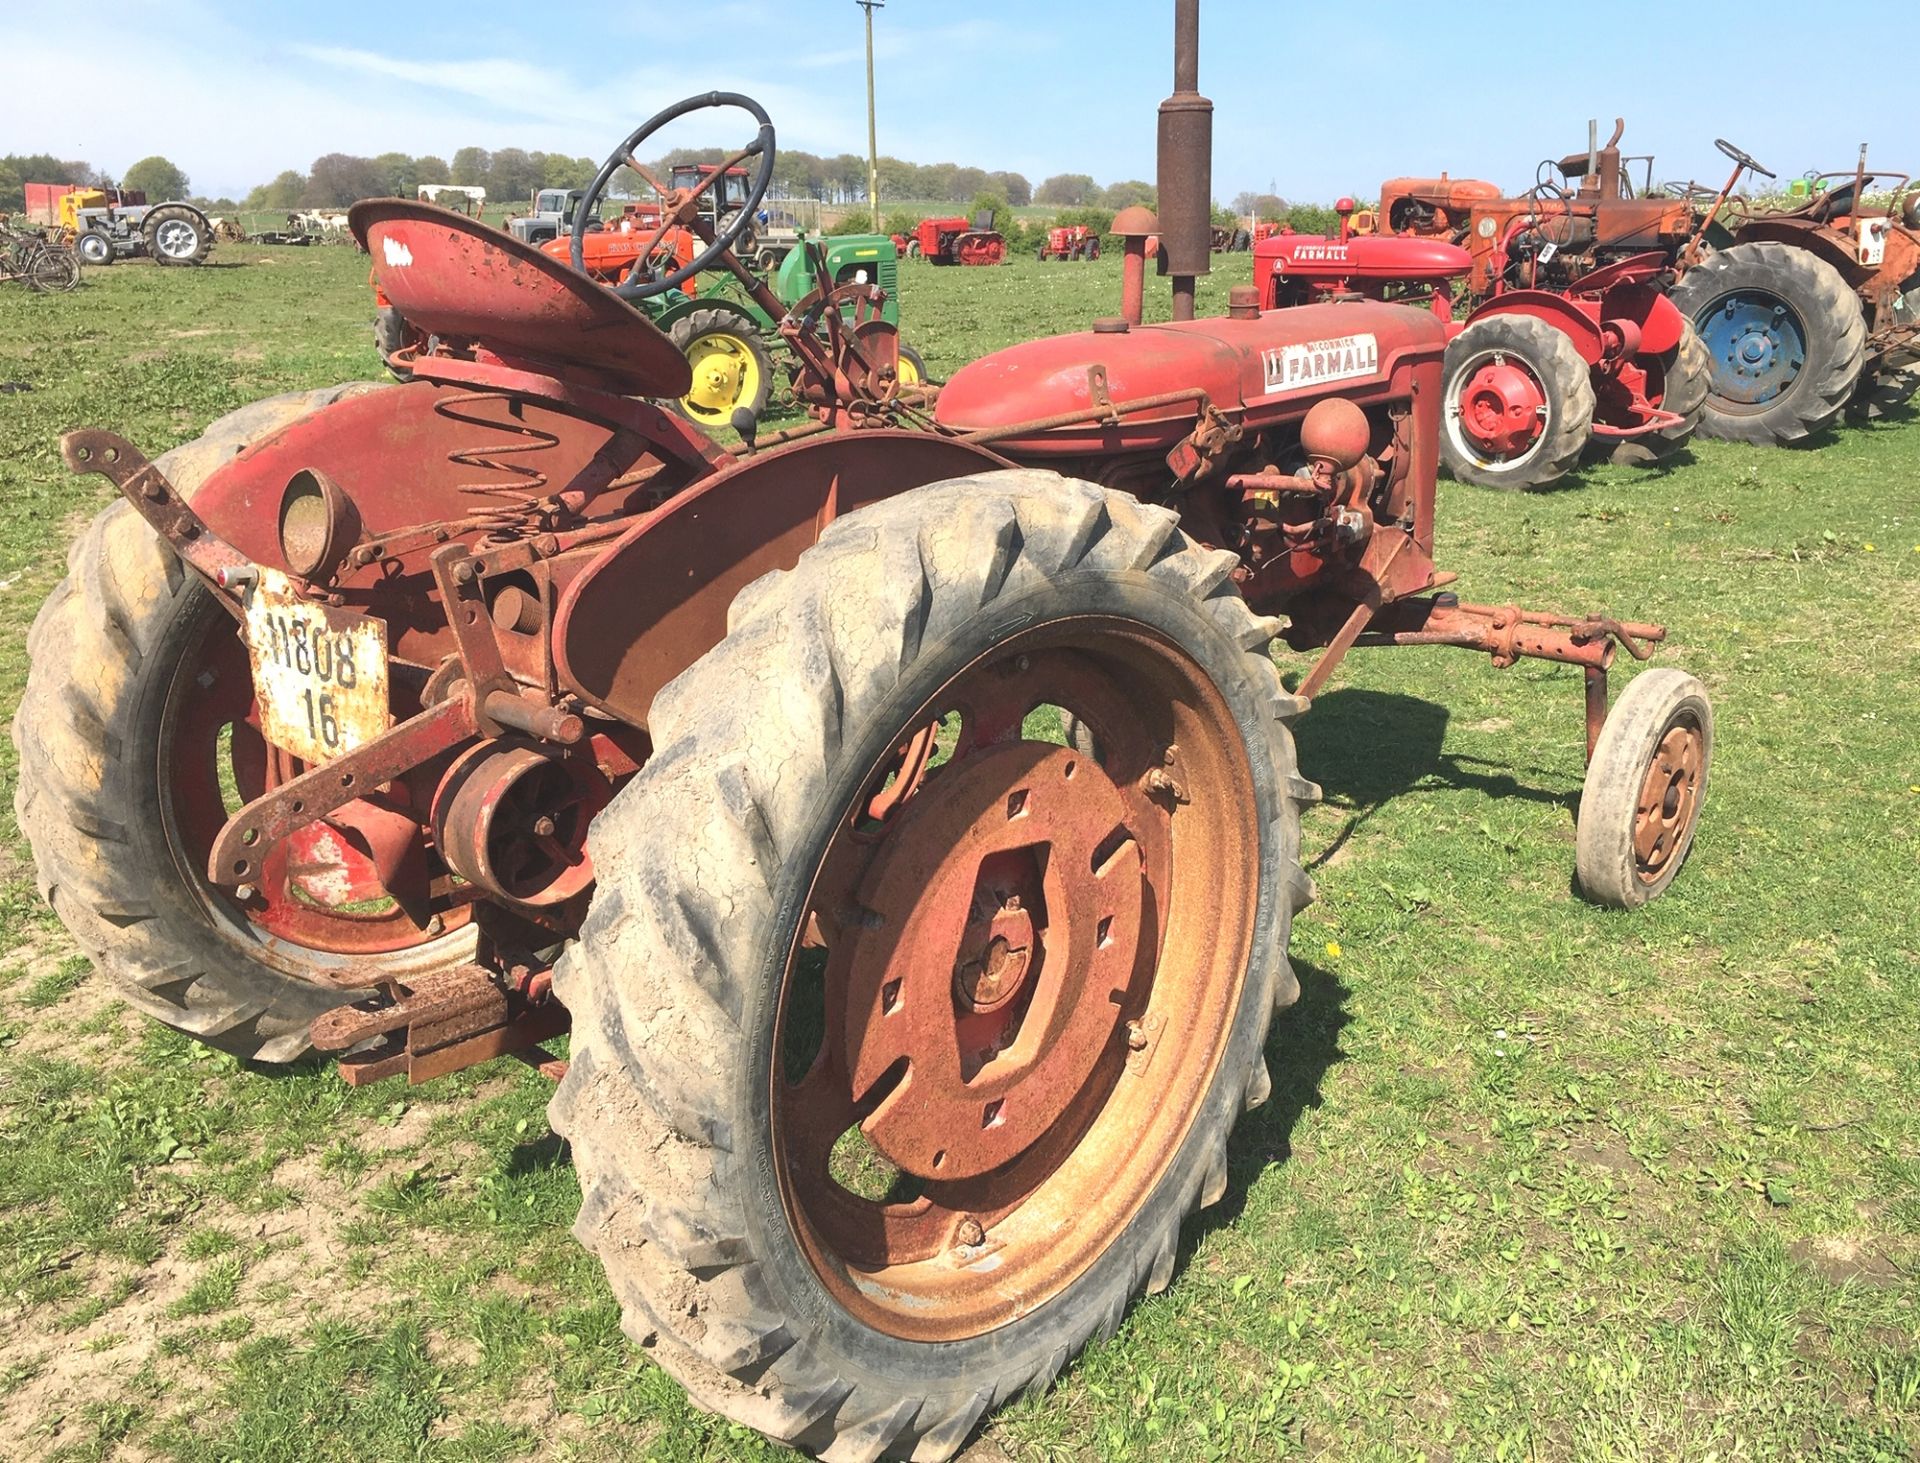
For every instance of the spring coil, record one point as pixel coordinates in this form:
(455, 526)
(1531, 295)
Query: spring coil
(524, 483)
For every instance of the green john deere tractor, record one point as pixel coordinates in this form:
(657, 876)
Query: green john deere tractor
(729, 339)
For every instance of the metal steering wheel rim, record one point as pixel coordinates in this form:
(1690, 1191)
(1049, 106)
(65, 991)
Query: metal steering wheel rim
(590, 200)
(1745, 159)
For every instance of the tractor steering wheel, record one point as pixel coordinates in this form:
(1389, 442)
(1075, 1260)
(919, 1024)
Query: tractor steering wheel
(678, 204)
(1744, 159)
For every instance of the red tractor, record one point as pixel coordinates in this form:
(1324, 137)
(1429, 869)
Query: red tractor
(958, 241)
(913, 788)
(1070, 241)
(1570, 335)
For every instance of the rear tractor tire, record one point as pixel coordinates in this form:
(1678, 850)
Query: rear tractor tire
(1687, 376)
(1645, 786)
(136, 699)
(1516, 403)
(731, 367)
(176, 234)
(1787, 338)
(867, 993)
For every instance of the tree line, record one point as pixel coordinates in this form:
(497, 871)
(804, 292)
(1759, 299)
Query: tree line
(511, 174)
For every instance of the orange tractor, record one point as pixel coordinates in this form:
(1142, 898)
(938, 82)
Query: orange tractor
(958, 241)
(1071, 241)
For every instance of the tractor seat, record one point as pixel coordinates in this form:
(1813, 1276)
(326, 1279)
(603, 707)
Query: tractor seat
(467, 283)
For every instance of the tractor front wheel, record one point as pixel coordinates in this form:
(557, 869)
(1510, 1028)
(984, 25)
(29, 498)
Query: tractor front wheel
(1686, 375)
(94, 248)
(905, 1035)
(138, 735)
(913, 370)
(1516, 403)
(1645, 786)
(1787, 338)
(731, 367)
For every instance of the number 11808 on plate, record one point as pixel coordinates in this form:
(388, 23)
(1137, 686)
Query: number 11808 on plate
(319, 673)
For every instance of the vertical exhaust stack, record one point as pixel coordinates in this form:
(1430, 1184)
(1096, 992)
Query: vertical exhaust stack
(1186, 165)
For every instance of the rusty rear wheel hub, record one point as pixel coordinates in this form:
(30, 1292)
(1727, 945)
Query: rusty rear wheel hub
(1018, 971)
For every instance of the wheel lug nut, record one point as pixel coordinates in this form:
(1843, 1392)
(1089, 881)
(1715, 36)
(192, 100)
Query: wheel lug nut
(244, 893)
(543, 827)
(1136, 1037)
(969, 1234)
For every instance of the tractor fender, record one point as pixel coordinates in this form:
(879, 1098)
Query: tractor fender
(656, 599)
(1818, 240)
(1578, 320)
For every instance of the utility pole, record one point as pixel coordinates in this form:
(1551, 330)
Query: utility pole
(873, 143)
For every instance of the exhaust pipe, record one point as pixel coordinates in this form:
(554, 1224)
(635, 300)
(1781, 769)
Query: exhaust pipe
(1185, 178)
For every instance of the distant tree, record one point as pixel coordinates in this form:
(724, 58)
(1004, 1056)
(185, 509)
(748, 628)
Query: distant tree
(1264, 205)
(397, 174)
(512, 174)
(431, 169)
(1117, 196)
(1312, 218)
(969, 182)
(157, 178)
(339, 179)
(472, 168)
(1018, 190)
(284, 192)
(1068, 190)
(557, 170)
(994, 203)
(937, 179)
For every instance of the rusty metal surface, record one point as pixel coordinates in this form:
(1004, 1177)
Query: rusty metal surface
(1669, 799)
(155, 499)
(1184, 174)
(1028, 961)
(431, 1025)
(656, 600)
(251, 833)
(457, 278)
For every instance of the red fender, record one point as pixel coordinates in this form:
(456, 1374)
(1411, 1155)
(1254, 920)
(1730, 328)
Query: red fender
(657, 599)
(1575, 318)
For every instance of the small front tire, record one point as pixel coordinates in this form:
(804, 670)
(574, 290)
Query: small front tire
(1645, 786)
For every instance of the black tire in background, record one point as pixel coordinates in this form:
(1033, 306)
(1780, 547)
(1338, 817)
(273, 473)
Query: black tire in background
(1550, 358)
(705, 863)
(1823, 324)
(94, 248)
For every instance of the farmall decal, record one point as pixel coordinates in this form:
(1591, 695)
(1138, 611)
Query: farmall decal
(1316, 362)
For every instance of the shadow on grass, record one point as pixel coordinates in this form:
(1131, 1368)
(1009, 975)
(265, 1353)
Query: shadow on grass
(1366, 748)
(1302, 1046)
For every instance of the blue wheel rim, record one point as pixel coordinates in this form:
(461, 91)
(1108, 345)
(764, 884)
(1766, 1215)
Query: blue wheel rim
(1758, 345)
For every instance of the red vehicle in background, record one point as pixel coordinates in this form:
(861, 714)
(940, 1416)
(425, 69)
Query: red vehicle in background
(1071, 241)
(958, 241)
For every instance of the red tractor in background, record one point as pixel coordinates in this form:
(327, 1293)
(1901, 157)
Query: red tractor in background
(1541, 365)
(958, 241)
(916, 782)
(1070, 241)
(1803, 313)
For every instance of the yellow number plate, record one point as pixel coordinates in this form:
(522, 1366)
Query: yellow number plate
(319, 674)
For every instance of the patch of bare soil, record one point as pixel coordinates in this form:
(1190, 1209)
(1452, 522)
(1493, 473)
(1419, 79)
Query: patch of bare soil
(296, 1271)
(1841, 1258)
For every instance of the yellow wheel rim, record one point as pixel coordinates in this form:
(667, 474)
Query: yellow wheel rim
(726, 375)
(909, 373)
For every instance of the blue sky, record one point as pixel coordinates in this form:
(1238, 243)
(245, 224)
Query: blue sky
(1314, 100)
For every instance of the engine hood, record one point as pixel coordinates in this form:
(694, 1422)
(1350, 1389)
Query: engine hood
(1363, 257)
(1263, 369)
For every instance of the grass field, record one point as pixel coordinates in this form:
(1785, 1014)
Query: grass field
(1538, 1180)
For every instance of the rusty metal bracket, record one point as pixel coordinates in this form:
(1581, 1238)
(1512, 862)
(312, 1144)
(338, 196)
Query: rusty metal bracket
(435, 1024)
(1098, 391)
(159, 502)
(243, 843)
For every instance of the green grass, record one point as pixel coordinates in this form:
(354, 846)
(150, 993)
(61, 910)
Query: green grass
(1537, 1180)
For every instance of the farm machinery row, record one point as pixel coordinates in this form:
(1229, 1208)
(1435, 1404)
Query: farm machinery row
(1593, 310)
(920, 779)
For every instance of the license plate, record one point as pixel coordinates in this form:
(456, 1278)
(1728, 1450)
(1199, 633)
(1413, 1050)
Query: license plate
(319, 673)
